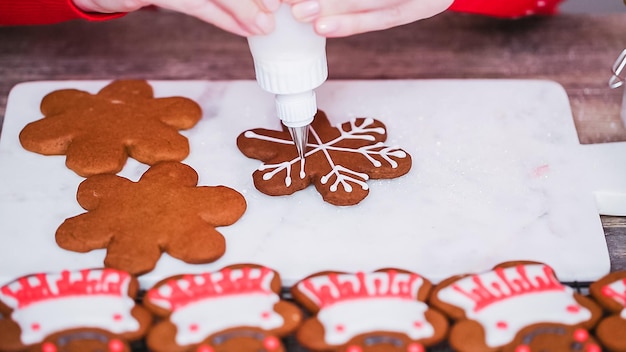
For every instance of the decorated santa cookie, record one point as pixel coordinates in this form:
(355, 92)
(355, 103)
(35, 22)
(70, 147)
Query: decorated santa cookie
(379, 311)
(236, 309)
(516, 306)
(610, 292)
(339, 160)
(87, 310)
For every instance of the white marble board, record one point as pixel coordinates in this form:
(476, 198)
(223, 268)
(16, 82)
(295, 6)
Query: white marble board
(498, 174)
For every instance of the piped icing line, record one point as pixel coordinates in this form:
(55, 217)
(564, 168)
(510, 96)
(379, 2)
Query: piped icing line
(336, 170)
(506, 300)
(252, 134)
(277, 168)
(208, 303)
(616, 291)
(348, 302)
(44, 304)
(342, 176)
(355, 129)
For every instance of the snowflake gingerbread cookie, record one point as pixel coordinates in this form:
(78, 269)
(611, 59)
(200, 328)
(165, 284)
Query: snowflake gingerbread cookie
(165, 211)
(73, 311)
(610, 292)
(97, 133)
(338, 159)
(383, 310)
(237, 308)
(517, 306)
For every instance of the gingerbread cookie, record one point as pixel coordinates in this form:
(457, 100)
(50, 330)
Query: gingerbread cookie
(163, 212)
(338, 160)
(237, 308)
(514, 304)
(97, 133)
(86, 310)
(610, 292)
(379, 311)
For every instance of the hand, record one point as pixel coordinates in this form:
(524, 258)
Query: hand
(340, 18)
(242, 17)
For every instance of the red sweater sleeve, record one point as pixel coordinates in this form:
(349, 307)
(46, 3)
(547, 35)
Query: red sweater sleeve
(29, 12)
(507, 8)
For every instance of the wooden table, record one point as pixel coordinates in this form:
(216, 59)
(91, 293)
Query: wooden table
(576, 51)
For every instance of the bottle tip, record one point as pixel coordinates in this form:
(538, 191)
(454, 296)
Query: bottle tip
(300, 136)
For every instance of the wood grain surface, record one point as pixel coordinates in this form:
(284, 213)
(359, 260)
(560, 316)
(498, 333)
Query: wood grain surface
(575, 50)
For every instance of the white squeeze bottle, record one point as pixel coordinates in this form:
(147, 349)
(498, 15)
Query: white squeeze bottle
(290, 62)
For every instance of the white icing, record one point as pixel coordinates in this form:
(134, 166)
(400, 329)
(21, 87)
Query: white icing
(47, 303)
(618, 293)
(344, 176)
(503, 318)
(344, 321)
(208, 303)
(380, 301)
(106, 312)
(195, 322)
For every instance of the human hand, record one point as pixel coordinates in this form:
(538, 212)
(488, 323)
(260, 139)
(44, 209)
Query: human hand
(242, 17)
(340, 18)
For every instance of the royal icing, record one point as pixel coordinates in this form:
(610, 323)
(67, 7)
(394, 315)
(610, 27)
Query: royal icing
(617, 291)
(207, 303)
(343, 175)
(506, 300)
(354, 304)
(44, 304)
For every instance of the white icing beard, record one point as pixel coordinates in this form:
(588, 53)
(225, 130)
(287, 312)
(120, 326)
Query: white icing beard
(106, 312)
(195, 322)
(345, 320)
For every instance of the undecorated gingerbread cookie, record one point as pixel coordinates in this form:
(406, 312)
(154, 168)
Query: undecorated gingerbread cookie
(98, 132)
(610, 292)
(515, 304)
(235, 309)
(383, 310)
(78, 311)
(165, 211)
(338, 159)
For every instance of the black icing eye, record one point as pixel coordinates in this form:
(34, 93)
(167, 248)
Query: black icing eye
(577, 346)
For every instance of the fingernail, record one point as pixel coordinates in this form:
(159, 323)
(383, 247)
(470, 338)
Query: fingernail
(271, 5)
(306, 10)
(326, 25)
(265, 22)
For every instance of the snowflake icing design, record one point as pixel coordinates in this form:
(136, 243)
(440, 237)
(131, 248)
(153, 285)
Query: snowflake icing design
(338, 160)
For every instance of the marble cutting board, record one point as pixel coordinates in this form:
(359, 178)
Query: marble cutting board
(498, 174)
